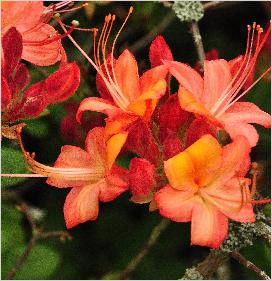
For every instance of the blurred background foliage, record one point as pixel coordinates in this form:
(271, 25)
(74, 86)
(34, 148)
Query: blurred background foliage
(101, 248)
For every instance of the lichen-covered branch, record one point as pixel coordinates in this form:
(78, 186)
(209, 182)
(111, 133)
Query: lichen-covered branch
(248, 264)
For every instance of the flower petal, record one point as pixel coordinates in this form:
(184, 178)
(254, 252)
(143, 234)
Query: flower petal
(12, 50)
(24, 15)
(246, 112)
(189, 103)
(82, 204)
(233, 156)
(209, 226)
(231, 200)
(159, 50)
(62, 84)
(6, 94)
(98, 105)
(175, 204)
(187, 77)
(42, 54)
(126, 71)
(217, 76)
(114, 146)
(71, 157)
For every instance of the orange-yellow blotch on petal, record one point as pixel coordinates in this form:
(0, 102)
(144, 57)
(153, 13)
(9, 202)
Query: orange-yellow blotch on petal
(114, 146)
(189, 103)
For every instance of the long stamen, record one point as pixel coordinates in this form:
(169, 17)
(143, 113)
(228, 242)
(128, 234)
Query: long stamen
(86, 174)
(223, 95)
(114, 43)
(96, 67)
(232, 95)
(106, 22)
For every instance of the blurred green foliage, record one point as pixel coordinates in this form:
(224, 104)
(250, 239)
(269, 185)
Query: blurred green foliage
(104, 247)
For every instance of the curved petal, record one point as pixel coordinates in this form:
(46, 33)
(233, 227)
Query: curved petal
(187, 77)
(175, 204)
(217, 76)
(98, 105)
(42, 54)
(159, 51)
(246, 112)
(152, 76)
(146, 103)
(114, 146)
(243, 129)
(231, 199)
(126, 71)
(209, 226)
(81, 205)
(23, 15)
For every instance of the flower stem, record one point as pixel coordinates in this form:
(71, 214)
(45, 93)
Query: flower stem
(154, 236)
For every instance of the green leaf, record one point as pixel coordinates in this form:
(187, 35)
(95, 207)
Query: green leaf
(38, 127)
(12, 161)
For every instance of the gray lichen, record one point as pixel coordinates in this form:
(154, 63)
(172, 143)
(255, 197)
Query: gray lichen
(192, 274)
(188, 10)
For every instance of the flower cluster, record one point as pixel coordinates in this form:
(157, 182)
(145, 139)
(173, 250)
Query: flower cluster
(183, 168)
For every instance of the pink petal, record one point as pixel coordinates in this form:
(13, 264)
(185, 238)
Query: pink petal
(12, 50)
(243, 129)
(229, 200)
(96, 146)
(209, 226)
(23, 15)
(71, 157)
(233, 156)
(175, 204)
(127, 76)
(152, 76)
(81, 205)
(42, 54)
(141, 176)
(187, 77)
(246, 112)
(159, 50)
(217, 77)
(98, 105)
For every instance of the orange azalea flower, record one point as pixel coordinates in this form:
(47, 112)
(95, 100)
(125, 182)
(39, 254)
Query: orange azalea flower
(88, 172)
(216, 95)
(132, 97)
(207, 185)
(41, 43)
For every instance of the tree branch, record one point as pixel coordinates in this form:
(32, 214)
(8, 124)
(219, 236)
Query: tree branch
(248, 264)
(154, 236)
(198, 43)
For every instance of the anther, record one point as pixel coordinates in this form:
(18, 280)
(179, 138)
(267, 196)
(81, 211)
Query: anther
(254, 25)
(130, 10)
(75, 23)
(56, 16)
(248, 27)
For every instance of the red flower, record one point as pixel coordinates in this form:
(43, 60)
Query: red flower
(19, 102)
